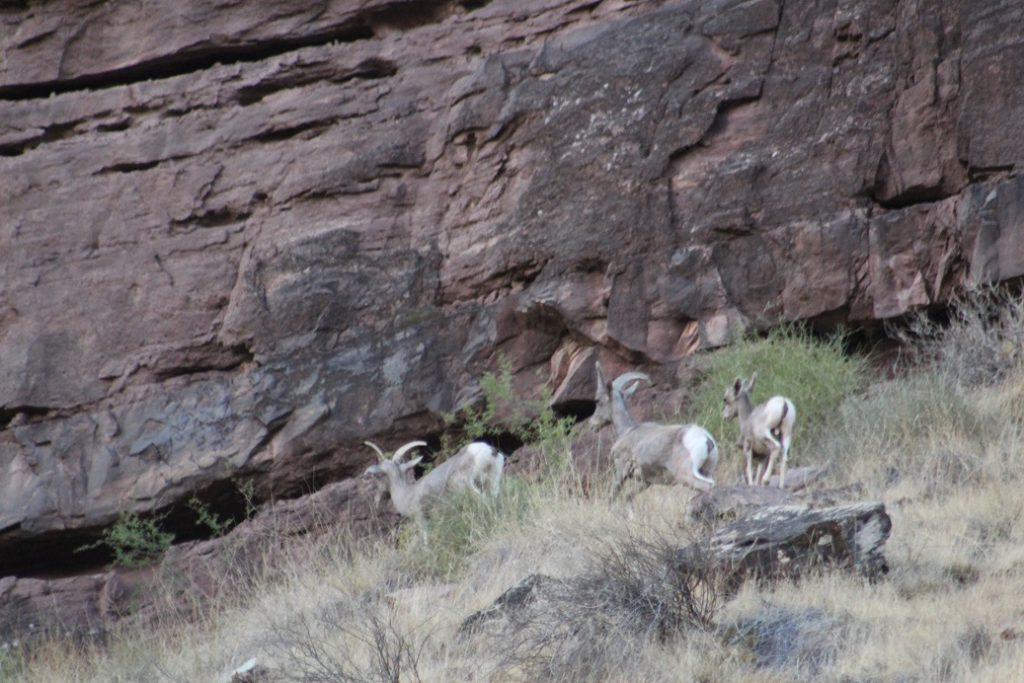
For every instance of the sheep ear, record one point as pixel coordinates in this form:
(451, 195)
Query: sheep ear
(737, 386)
(412, 463)
(373, 469)
(602, 385)
(750, 384)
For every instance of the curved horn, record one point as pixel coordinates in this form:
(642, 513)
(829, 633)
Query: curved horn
(622, 380)
(380, 453)
(406, 448)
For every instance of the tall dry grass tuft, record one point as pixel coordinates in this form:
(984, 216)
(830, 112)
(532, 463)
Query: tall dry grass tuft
(595, 625)
(982, 343)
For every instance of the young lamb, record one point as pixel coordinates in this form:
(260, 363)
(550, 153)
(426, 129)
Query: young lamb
(650, 452)
(475, 466)
(765, 430)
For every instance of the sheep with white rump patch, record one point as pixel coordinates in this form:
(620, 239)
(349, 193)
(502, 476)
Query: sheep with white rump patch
(477, 467)
(650, 452)
(766, 430)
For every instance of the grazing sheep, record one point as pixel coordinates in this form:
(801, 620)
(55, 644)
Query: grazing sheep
(475, 466)
(766, 430)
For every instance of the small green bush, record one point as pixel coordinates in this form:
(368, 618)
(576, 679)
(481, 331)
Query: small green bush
(134, 541)
(461, 523)
(217, 525)
(532, 421)
(817, 374)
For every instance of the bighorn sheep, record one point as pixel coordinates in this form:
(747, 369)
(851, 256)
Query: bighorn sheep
(476, 464)
(651, 452)
(765, 430)
(611, 400)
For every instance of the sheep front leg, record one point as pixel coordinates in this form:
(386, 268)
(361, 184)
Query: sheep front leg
(496, 476)
(421, 522)
(748, 453)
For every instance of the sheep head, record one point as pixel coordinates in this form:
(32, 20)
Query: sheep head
(395, 461)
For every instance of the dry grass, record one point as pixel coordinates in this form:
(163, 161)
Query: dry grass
(944, 455)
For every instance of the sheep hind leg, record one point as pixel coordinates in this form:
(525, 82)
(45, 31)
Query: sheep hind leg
(769, 467)
(775, 448)
(633, 494)
(750, 464)
(759, 474)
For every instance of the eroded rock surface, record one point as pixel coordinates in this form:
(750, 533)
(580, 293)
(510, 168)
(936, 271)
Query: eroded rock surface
(192, 575)
(238, 239)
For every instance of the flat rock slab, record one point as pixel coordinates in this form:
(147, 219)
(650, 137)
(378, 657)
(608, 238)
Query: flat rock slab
(790, 541)
(724, 504)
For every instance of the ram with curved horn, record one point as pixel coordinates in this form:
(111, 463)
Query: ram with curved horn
(611, 400)
(650, 452)
(477, 466)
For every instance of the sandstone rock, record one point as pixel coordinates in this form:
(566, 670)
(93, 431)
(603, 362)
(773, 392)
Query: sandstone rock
(772, 543)
(790, 541)
(240, 239)
(79, 606)
(87, 606)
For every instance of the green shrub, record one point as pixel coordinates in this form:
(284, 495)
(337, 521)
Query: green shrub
(217, 525)
(817, 374)
(532, 421)
(460, 524)
(134, 541)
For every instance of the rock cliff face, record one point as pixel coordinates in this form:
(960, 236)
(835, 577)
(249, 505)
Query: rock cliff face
(238, 238)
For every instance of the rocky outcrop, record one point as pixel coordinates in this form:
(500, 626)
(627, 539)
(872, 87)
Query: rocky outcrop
(793, 541)
(237, 239)
(192, 575)
(769, 544)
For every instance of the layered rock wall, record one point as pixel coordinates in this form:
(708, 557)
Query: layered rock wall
(236, 239)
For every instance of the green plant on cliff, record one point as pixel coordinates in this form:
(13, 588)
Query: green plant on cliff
(134, 541)
(816, 373)
(530, 420)
(217, 525)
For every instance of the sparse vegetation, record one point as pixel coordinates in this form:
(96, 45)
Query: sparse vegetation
(214, 523)
(816, 374)
(531, 421)
(134, 541)
(594, 625)
(351, 641)
(983, 343)
(463, 523)
(940, 448)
